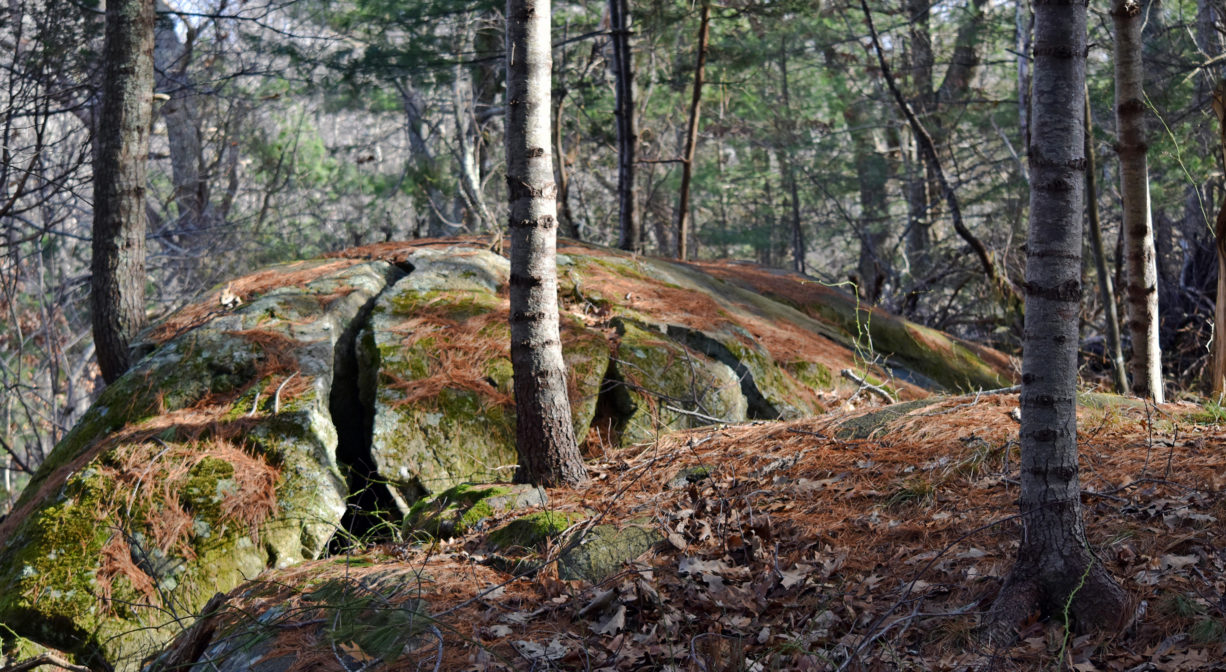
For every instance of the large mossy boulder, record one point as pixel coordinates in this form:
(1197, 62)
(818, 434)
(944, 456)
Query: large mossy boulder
(232, 446)
(342, 613)
(212, 459)
(437, 363)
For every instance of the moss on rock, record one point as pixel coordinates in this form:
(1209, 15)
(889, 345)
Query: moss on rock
(467, 506)
(657, 373)
(532, 531)
(601, 552)
(136, 513)
(437, 369)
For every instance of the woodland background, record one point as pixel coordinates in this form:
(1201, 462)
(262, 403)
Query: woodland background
(288, 128)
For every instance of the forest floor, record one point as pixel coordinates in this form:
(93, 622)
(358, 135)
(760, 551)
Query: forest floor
(796, 546)
(791, 548)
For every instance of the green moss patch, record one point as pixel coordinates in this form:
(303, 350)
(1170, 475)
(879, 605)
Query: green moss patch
(533, 531)
(659, 373)
(457, 510)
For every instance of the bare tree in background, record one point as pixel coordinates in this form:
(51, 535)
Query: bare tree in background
(629, 234)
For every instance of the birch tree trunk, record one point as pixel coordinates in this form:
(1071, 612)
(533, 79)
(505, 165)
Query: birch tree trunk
(466, 151)
(1055, 571)
(1142, 290)
(548, 454)
(117, 286)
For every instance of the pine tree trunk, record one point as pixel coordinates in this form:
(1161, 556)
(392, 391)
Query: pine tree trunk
(548, 454)
(1142, 289)
(1055, 568)
(691, 134)
(629, 233)
(117, 286)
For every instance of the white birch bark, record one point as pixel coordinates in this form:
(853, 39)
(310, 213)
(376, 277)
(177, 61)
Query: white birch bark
(1142, 270)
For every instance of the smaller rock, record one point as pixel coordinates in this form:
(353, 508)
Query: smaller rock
(602, 551)
(465, 507)
(531, 532)
(689, 475)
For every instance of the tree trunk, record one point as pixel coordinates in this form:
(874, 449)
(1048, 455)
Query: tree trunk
(548, 454)
(1219, 309)
(171, 58)
(117, 287)
(789, 168)
(1000, 283)
(921, 199)
(467, 138)
(566, 219)
(1142, 289)
(629, 233)
(1115, 350)
(1055, 571)
(1023, 23)
(691, 134)
(872, 174)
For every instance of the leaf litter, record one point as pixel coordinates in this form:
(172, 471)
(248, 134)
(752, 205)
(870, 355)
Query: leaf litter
(802, 551)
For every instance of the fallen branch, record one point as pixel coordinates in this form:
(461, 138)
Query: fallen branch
(700, 416)
(865, 385)
(43, 659)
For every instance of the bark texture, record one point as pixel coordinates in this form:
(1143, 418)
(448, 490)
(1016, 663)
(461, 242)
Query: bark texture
(117, 286)
(548, 453)
(1056, 571)
(1142, 289)
(629, 233)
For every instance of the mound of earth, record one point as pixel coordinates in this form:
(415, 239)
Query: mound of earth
(297, 407)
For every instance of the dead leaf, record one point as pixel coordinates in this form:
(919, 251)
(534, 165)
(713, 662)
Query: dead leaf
(613, 621)
(1178, 562)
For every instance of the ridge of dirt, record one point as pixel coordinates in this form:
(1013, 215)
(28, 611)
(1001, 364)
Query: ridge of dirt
(802, 551)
